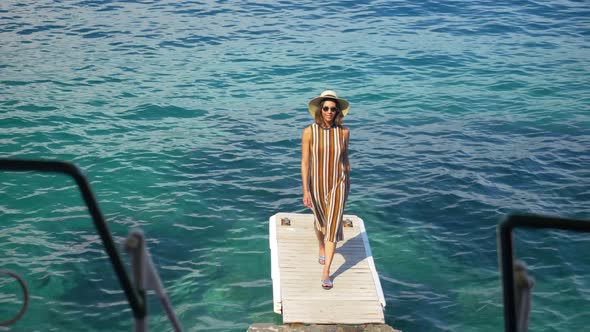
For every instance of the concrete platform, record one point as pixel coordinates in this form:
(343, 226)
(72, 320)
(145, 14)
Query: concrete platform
(321, 328)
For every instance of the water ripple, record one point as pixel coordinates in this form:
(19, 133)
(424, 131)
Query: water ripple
(187, 118)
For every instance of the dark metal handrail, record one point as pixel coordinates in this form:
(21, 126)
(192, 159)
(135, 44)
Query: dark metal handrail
(135, 298)
(506, 253)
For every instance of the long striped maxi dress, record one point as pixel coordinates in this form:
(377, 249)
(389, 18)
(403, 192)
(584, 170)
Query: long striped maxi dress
(329, 183)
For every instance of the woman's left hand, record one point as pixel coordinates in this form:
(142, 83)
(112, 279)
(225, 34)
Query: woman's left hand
(307, 199)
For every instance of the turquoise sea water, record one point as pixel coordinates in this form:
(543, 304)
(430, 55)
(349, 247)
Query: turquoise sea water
(187, 116)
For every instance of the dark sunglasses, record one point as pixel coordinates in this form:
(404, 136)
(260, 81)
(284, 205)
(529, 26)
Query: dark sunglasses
(331, 109)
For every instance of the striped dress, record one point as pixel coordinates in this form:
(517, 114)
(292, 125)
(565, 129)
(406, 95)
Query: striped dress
(329, 183)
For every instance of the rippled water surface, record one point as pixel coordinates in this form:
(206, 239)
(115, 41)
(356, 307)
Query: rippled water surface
(187, 118)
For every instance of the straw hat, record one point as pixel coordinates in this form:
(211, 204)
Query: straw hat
(314, 104)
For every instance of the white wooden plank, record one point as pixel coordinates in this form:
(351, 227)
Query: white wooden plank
(332, 312)
(372, 264)
(297, 291)
(275, 270)
(319, 293)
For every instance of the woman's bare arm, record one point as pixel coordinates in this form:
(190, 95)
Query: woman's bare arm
(305, 148)
(345, 156)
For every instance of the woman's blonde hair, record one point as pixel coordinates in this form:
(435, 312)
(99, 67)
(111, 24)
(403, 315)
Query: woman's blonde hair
(337, 119)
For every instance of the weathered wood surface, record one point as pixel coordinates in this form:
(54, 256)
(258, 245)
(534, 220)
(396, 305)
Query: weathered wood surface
(356, 297)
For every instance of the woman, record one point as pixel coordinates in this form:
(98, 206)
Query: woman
(325, 173)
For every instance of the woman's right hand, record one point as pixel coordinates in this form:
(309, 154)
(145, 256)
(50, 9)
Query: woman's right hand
(307, 199)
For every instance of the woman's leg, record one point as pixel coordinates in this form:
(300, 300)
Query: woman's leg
(330, 249)
(320, 237)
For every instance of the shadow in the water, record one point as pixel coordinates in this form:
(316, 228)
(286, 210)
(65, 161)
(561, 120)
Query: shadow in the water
(353, 252)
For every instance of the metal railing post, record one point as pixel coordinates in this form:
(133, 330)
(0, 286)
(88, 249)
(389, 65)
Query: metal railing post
(136, 299)
(506, 254)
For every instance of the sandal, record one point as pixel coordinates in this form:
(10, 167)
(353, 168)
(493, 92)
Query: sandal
(322, 260)
(327, 284)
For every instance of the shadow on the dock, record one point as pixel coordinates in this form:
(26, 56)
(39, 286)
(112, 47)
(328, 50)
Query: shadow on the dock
(353, 251)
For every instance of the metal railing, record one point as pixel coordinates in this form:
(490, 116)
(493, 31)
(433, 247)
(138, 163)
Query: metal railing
(146, 277)
(515, 320)
(136, 299)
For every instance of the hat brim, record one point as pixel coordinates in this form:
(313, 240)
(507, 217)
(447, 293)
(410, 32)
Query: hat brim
(314, 104)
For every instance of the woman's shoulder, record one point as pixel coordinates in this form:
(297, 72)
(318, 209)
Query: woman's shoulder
(309, 128)
(345, 129)
(307, 131)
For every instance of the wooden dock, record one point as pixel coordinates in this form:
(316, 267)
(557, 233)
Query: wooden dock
(357, 296)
